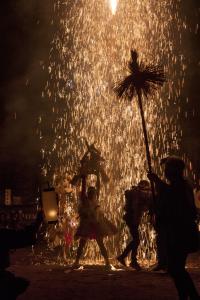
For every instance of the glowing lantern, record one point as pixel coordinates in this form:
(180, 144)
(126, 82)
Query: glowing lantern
(50, 205)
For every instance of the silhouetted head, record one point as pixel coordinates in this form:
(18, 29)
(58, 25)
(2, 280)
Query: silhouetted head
(144, 185)
(92, 193)
(174, 168)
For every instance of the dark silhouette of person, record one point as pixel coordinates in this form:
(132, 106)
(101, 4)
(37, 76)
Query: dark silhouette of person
(138, 200)
(160, 245)
(178, 217)
(10, 285)
(160, 236)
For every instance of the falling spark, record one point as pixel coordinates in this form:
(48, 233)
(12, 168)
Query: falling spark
(113, 6)
(88, 55)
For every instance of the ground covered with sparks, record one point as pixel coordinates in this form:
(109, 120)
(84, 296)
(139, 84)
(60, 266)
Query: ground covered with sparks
(55, 282)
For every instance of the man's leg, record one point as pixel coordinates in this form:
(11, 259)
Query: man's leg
(80, 249)
(161, 249)
(135, 244)
(182, 279)
(127, 250)
(103, 250)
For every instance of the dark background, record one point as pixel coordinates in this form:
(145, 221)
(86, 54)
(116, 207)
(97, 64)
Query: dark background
(190, 123)
(26, 30)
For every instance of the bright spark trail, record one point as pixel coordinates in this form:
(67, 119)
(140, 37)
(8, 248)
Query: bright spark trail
(89, 54)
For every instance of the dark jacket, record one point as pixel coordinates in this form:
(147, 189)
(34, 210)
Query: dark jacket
(137, 202)
(177, 214)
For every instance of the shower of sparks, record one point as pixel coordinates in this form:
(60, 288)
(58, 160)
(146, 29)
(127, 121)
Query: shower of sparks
(88, 55)
(113, 5)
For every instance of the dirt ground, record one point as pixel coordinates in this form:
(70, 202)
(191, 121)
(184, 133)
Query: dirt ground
(55, 282)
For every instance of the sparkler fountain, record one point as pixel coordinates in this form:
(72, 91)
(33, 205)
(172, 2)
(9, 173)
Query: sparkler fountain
(113, 5)
(88, 55)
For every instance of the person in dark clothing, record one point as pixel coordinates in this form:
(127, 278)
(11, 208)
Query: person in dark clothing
(161, 247)
(160, 237)
(178, 219)
(10, 285)
(138, 200)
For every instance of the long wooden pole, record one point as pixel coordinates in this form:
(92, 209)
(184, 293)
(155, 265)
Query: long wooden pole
(146, 141)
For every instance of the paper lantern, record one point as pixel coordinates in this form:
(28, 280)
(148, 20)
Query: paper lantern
(50, 205)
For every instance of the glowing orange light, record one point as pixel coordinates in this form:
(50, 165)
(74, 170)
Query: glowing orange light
(52, 213)
(113, 5)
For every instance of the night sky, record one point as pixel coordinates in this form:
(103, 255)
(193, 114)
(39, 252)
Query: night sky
(26, 32)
